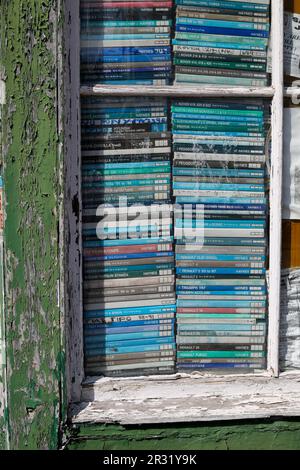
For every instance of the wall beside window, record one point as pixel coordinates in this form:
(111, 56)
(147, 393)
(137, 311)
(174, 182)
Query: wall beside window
(31, 159)
(29, 53)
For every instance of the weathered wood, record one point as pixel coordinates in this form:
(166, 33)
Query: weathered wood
(276, 188)
(177, 91)
(185, 399)
(4, 441)
(72, 242)
(31, 154)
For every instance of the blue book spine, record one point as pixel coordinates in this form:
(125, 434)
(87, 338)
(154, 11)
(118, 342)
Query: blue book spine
(218, 271)
(219, 45)
(219, 187)
(254, 33)
(114, 122)
(142, 342)
(217, 200)
(221, 133)
(135, 229)
(218, 172)
(238, 241)
(220, 304)
(254, 26)
(124, 350)
(213, 133)
(123, 24)
(122, 37)
(108, 130)
(131, 82)
(97, 339)
(195, 291)
(113, 166)
(124, 58)
(219, 365)
(259, 224)
(129, 311)
(116, 183)
(230, 5)
(215, 289)
(132, 256)
(126, 109)
(224, 207)
(139, 267)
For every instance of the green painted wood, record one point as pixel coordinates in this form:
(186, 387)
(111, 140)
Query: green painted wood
(31, 238)
(248, 435)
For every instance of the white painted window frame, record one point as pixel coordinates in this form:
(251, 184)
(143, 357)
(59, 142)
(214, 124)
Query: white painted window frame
(79, 389)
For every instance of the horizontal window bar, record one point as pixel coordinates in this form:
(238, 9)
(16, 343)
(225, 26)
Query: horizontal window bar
(177, 91)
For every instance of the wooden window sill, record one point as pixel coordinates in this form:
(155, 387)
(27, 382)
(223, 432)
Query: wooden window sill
(185, 398)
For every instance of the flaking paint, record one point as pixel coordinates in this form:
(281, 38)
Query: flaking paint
(31, 163)
(260, 435)
(34, 337)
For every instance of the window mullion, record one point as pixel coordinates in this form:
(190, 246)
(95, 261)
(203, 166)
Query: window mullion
(276, 187)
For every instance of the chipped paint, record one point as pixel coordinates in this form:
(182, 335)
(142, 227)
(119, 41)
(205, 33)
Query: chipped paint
(30, 43)
(31, 257)
(263, 435)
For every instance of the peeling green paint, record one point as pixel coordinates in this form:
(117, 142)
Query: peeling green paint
(248, 435)
(34, 334)
(31, 166)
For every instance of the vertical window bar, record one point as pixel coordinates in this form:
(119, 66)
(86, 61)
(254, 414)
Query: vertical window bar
(276, 187)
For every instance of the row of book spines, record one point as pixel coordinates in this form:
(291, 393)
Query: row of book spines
(184, 39)
(220, 72)
(196, 10)
(251, 5)
(97, 337)
(95, 276)
(184, 322)
(150, 348)
(241, 255)
(149, 269)
(136, 67)
(152, 53)
(135, 345)
(204, 284)
(183, 23)
(189, 25)
(194, 257)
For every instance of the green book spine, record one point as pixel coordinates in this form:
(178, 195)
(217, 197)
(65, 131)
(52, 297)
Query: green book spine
(215, 38)
(220, 111)
(221, 65)
(219, 354)
(219, 80)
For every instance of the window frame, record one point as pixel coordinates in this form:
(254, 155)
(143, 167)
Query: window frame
(72, 209)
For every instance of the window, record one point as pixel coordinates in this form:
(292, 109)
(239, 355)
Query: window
(160, 390)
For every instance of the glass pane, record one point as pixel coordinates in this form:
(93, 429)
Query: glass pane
(159, 42)
(175, 192)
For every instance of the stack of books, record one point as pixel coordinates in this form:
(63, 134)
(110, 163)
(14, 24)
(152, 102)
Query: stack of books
(129, 298)
(222, 42)
(219, 182)
(126, 42)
